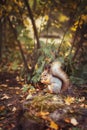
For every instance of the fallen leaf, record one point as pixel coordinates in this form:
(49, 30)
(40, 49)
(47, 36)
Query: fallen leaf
(74, 121)
(5, 96)
(53, 125)
(17, 92)
(14, 109)
(29, 96)
(43, 113)
(9, 104)
(67, 120)
(2, 108)
(81, 99)
(0, 126)
(69, 100)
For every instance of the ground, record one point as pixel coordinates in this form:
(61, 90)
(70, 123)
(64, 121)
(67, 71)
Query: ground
(12, 98)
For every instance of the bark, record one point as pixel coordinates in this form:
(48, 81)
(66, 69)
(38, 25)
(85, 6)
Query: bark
(77, 50)
(0, 40)
(75, 36)
(79, 44)
(50, 36)
(20, 47)
(33, 23)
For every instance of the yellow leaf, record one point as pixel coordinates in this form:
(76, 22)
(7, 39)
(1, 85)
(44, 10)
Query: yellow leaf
(26, 22)
(69, 100)
(43, 113)
(9, 8)
(20, 4)
(73, 28)
(53, 125)
(36, 66)
(84, 17)
(46, 17)
(63, 18)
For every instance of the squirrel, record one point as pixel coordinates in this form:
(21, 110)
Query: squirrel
(55, 78)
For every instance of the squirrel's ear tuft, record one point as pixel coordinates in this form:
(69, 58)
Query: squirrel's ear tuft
(47, 67)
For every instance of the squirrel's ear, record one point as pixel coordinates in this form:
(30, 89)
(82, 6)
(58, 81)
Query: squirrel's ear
(47, 67)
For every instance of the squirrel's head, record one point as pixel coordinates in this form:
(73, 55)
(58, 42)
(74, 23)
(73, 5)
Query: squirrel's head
(47, 67)
(45, 77)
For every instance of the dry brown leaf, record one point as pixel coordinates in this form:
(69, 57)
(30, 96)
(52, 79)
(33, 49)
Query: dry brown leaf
(14, 109)
(5, 96)
(67, 120)
(17, 92)
(2, 108)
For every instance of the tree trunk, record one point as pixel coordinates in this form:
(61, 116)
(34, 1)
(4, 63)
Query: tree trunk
(33, 23)
(0, 40)
(20, 47)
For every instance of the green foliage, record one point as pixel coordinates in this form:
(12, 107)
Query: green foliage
(79, 75)
(47, 54)
(67, 20)
(76, 128)
(25, 88)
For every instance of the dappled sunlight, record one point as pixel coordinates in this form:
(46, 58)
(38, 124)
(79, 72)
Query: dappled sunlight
(43, 65)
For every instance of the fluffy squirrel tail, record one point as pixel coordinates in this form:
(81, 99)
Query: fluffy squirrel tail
(57, 71)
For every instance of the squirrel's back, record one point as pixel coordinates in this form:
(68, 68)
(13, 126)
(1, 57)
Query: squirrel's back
(57, 71)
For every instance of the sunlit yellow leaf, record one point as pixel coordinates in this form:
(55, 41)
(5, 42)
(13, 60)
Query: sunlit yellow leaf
(53, 125)
(20, 4)
(84, 17)
(36, 66)
(73, 28)
(69, 100)
(67, 53)
(26, 22)
(63, 18)
(15, 1)
(68, 43)
(9, 8)
(43, 113)
(46, 17)
(70, 35)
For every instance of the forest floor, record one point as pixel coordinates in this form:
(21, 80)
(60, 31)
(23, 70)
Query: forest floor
(12, 97)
